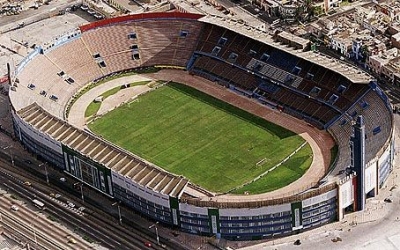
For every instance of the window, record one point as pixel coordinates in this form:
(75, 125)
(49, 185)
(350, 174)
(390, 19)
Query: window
(70, 80)
(376, 130)
(252, 53)
(132, 35)
(296, 70)
(341, 89)
(135, 56)
(222, 41)
(31, 86)
(309, 76)
(134, 47)
(233, 57)
(364, 105)
(264, 57)
(215, 50)
(315, 91)
(333, 99)
(53, 98)
(183, 33)
(102, 64)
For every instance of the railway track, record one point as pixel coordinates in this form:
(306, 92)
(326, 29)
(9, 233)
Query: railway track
(91, 228)
(48, 227)
(93, 225)
(45, 232)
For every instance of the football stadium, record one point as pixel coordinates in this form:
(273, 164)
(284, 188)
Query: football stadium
(215, 127)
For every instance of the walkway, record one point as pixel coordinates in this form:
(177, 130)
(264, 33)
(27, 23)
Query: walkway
(77, 113)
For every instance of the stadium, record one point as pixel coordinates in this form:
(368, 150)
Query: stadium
(318, 102)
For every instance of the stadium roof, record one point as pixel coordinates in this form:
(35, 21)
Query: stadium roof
(104, 153)
(351, 72)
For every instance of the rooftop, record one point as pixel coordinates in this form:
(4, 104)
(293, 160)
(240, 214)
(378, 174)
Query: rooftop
(104, 153)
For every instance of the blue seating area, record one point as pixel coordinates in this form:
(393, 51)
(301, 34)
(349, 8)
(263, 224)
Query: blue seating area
(305, 66)
(377, 127)
(268, 87)
(283, 60)
(246, 62)
(318, 112)
(228, 74)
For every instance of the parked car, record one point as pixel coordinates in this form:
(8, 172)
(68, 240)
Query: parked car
(91, 12)
(84, 7)
(99, 16)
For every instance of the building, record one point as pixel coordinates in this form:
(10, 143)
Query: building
(376, 63)
(319, 90)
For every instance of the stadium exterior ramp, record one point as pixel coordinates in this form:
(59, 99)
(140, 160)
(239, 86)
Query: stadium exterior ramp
(277, 70)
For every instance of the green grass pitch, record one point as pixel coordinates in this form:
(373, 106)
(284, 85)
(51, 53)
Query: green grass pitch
(212, 143)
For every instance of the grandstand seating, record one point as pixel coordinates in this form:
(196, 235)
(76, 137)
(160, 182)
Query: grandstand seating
(278, 66)
(373, 109)
(283, 60)
(212, 36)
(255, 63)
(269, 74)
(319, 73)
(305, 67)
(47, 88)
(226, 73)
(48, 74)
(109, 39)
(342, 135)
(301, 104)
(119, 62)
(76, 61)
(235, 43)
(156, 44)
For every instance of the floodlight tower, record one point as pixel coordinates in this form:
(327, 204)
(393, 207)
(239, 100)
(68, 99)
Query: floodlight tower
(357, 145)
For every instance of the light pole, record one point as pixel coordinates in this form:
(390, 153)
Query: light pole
(119, 211)
(45, 170)
(155, 226)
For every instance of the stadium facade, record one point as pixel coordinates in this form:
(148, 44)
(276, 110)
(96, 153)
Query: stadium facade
(277, 70)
